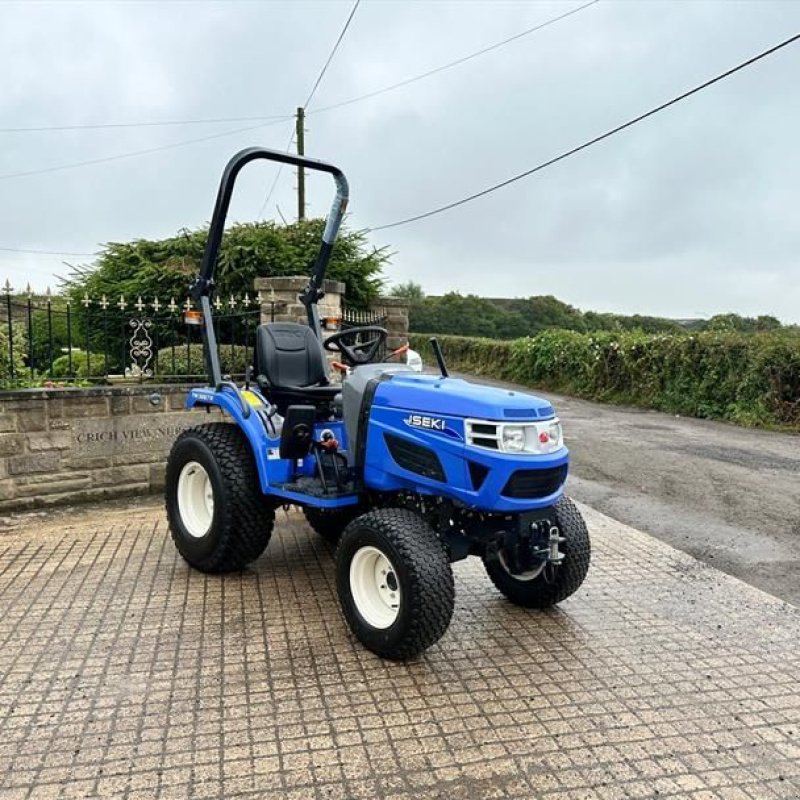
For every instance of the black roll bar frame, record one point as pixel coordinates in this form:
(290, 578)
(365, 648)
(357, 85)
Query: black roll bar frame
(202, 288)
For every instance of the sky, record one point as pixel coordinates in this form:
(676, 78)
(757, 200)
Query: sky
(693, 212)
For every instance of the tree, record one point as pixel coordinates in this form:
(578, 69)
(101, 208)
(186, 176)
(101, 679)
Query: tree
(409, 290)
(164, 268)
(735, 322)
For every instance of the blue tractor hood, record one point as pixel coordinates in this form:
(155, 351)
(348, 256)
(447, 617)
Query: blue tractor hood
(455, 397)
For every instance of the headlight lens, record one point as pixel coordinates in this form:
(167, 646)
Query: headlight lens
(513, 438)
(554, 434)
(536, 438)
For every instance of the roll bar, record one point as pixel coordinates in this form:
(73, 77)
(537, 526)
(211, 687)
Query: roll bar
(202, 288)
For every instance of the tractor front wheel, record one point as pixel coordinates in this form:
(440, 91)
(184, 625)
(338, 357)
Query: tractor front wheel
(394, 582)
(218, 517)
(548, 584)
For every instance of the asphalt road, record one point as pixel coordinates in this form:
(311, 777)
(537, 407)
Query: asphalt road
(728, 496)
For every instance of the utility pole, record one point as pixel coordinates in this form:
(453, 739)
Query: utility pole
(301, 173)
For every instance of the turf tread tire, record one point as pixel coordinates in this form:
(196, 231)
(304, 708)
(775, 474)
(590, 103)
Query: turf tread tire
(569, 575)
(243, 517)
(424, 573)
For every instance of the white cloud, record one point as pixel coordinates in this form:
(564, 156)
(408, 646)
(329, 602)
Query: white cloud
(691, 212)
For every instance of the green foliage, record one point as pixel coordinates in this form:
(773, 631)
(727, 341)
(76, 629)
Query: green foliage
(750, 379)
(164, 268)
(733, 322)
(13, 355)
(469, 315)
(82, 367)
(594, 321)
(409, 290)
(43, 328)
(183, 361)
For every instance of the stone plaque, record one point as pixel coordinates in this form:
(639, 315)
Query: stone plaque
(132, 433)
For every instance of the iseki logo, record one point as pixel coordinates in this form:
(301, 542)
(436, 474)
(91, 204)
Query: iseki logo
(418, 421)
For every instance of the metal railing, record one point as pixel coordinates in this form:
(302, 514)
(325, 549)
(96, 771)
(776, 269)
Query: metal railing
(54, 340)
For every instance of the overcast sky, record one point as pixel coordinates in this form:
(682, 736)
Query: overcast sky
(693, 212)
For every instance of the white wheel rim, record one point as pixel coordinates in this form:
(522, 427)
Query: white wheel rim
(375, 587)
(531, 575)
(195, 499)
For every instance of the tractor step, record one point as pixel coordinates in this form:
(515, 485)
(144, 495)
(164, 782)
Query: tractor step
(314, 488)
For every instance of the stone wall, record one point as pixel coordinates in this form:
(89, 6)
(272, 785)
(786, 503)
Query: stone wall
(396, 311)
(75, 445)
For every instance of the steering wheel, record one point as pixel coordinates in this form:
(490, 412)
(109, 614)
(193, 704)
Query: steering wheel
(357, 352)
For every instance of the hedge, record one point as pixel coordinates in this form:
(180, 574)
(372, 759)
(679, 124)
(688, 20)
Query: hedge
(95, 366)
(180, 362)
(750, 379)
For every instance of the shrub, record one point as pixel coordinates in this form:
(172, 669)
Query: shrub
(12, 359)
(183, 361)
(751, 379)
(43, 329)
(82, 367)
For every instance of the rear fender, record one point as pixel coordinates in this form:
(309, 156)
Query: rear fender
(252, 426)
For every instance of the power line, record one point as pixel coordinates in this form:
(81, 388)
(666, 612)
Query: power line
(44, 252)
(596, 140)
(308, 100)
(279, 117)
(134, 153)
(455, 63)
(277, 178)
(413, 79)
(332, 53)
(268, 120)
(271, 120)
(151, 124)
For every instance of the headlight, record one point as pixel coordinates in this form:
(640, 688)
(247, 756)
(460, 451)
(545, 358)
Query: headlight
(535, 438)
(551, 435)
(513, 438)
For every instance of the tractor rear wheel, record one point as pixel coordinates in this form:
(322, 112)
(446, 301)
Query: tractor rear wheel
(330, 522)
(548, 584)
(394, 582)
(218, 517)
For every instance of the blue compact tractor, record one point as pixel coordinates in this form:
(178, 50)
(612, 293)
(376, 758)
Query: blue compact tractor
(405, 472)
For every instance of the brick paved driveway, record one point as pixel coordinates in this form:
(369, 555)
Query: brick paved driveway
(126, 675)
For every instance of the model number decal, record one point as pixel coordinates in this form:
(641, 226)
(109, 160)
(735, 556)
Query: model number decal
(418, 421)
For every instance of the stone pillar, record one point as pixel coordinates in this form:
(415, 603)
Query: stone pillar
(396, 311)
(283, 292)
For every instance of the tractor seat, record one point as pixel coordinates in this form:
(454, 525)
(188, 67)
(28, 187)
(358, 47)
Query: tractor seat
(291, 367)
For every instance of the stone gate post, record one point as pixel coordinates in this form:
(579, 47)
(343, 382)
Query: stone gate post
(279, 299)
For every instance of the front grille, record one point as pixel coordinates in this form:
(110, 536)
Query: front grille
(414, 457)
(483, 434)
(535, 483)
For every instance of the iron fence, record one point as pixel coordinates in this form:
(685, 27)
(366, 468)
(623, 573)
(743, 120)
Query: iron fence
(55, 340)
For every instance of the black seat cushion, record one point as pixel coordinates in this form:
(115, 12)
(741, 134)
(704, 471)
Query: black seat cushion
(289, 355)
(291, 367)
